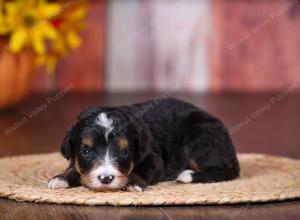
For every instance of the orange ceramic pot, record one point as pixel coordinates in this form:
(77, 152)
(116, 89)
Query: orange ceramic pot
(16, 73)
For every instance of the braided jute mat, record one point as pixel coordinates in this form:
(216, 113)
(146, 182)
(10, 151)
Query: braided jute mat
(263, 178)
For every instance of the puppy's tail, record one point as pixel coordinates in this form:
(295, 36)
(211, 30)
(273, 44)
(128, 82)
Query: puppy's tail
(190, 176)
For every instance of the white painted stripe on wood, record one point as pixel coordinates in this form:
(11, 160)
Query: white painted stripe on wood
(158, 45)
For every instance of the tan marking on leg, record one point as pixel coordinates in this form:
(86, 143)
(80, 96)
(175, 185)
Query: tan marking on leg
(194, 166)
(131, 168)
(134, 178)
(77, 167)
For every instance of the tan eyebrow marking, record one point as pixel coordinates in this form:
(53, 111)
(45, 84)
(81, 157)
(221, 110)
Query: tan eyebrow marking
(122, 143)
(88, 141)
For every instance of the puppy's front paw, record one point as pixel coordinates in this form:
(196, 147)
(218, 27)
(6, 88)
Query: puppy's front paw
(185, 176)
(133, 187)
(57, 183)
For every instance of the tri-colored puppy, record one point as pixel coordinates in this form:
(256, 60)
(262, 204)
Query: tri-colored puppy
(131, 147)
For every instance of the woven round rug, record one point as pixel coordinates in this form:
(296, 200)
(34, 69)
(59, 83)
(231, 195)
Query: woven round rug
(263, 178)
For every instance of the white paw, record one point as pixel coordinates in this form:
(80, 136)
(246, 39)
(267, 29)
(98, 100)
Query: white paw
(185, 176)
(134, 188)
(57, 183)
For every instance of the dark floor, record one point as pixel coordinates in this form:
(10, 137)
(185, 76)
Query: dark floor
(261, 123)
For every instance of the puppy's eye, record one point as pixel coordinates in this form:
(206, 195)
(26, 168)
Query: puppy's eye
(124, 153)
(86, 152)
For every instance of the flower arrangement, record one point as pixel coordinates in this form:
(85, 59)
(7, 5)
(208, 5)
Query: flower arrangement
(50, 28)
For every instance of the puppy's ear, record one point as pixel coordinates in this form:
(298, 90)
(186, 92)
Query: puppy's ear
(92, 110)
(66, 147)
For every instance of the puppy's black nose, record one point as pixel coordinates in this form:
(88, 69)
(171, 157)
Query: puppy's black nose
(106, 179)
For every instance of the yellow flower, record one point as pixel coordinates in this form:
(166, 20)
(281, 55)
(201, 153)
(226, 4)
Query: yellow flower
(4, 28)
(69, 23)
(49, 60)
(30, 25)
(50, 28)
(73, 23)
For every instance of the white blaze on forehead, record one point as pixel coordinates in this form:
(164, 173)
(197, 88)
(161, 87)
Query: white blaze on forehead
(105, 122)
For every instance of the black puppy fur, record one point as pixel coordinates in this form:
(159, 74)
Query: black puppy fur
(131, 147)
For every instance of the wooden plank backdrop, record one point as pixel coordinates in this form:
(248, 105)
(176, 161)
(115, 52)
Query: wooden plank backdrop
(255, 45)
(188, 45)
(158, 45)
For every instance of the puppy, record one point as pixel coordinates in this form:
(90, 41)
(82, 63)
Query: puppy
(131, 147)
